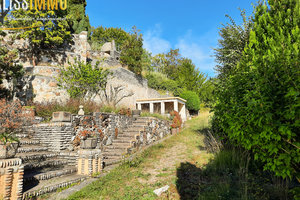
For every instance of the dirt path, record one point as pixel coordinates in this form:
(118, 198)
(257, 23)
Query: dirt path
(160, 165)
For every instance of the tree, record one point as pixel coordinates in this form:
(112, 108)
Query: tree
(231, 45)
(188, 77)
(12, 117)
(112, 95)
(9, 70)
(44, 33)
(132, 51)
(102, 35)
(260, 109)
(78, 20)
(83, 80)
(192, 100)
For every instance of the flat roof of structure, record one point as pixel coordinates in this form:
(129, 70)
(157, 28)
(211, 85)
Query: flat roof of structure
(161, 99)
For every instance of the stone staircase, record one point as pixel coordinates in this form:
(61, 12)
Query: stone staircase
(44, 171)
(121, 146)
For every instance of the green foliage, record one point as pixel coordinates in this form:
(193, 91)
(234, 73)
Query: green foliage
(102, 35)
(231, 45)
(159, 81)
(9, 70)
(156, 115)
(192, 100)
(132, 51)
(82, 80)
(45, 110)
(206, 92)
(168, 63)
(47, 33)
(258, 107)
(78, 20)
(188, 77)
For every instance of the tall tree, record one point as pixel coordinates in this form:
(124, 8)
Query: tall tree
(9, 70)
(101, 35)
(43, 33)
(261, 110)
(78, 20)
(132, 51)
(231, 45)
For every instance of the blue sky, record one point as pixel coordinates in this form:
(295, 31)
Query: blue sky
(190, 25)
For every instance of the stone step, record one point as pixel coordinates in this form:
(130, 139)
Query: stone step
(50, 164)
(120, 144)
(114, 152)
(121, 147)
(26, 157)
(131, 131)
(110, 161)
(44, 186)
(140, 123)
(42, 175)
(27, 141)
(126, 136)
(31, 148)
(110, 167)
(35, 156)
(126, 140)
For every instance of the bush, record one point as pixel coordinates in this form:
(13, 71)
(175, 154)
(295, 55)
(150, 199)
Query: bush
(45, 110)
(159, 81)
(12, 118)
(156, 115)
(176, 119)
(192, 100)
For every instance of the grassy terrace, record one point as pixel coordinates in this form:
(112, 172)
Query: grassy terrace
(183, 163)
(156, 167)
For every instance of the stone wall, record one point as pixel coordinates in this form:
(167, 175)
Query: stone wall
(132, 83)
(154, 131)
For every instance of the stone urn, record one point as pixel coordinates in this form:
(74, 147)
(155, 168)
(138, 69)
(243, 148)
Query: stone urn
(88, 143)
(8, 150)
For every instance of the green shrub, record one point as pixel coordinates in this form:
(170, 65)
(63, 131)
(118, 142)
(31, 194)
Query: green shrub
(156, 115)
(45, 110)
(192, 100)
(159, 81)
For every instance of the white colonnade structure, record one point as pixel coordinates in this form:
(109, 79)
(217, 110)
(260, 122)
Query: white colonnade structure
(163, 106)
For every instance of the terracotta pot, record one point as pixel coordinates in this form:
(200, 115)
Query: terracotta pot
(8, 150)
(173, 131)
(89, 143)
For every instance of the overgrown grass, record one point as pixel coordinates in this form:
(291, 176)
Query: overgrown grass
(124, 181)
(156, 115)
(45, 110)
(228, 175)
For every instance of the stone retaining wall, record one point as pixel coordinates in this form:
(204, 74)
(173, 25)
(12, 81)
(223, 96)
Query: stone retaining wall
(154, 131)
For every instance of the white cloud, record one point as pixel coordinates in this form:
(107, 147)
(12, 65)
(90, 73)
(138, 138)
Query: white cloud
(153, 41)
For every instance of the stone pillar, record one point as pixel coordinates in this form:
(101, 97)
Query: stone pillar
(89, 161)
(139, 106)
(176, 106)
(183, 113)
(151, 107)
(162, 107)
(11, 179)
